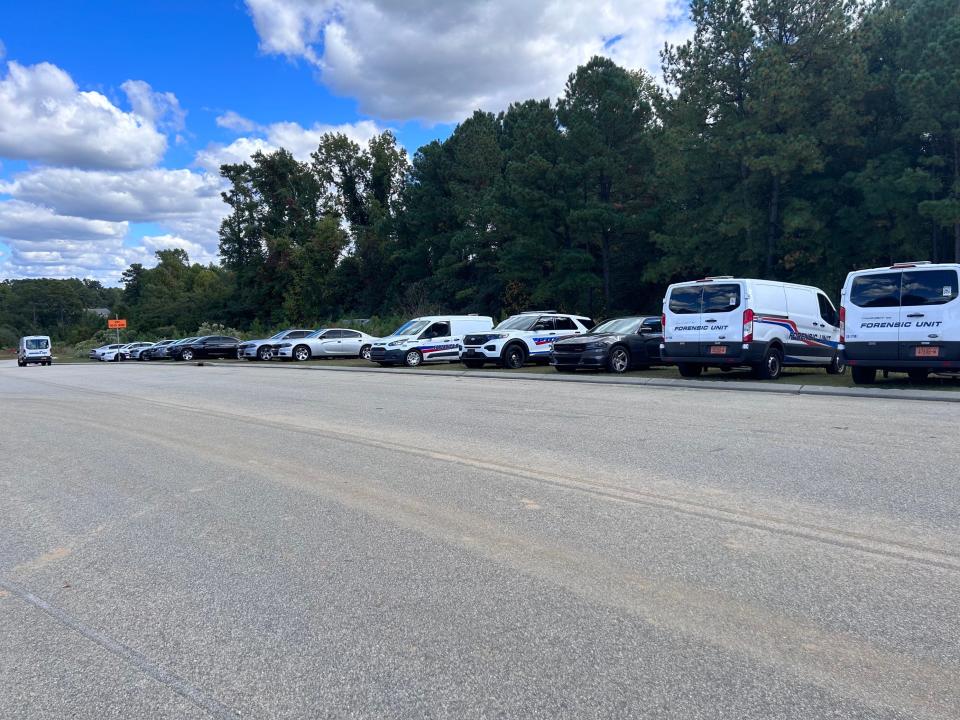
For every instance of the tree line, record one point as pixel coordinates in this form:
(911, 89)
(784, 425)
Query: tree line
(788, 139)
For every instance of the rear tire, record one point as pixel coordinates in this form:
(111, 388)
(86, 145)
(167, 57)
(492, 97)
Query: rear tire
(365, 352)
(689, 370)
(918, 377)
(301, 353)
(619, 360)
(836, 366)
(863, 375)
(264, 353)
(771, 367)
(514, 357)
(474, 364)
(186, 355)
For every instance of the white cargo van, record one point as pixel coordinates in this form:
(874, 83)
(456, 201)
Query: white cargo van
(34, 349)
(901, 318)
(766, 325)
(434, 338)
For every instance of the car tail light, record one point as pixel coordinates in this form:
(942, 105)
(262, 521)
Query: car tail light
(748, 325)
(843, 322)
(663, 323)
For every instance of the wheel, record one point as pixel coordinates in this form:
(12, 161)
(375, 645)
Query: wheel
(264, 352)
(513, 357)
(619, 360)
(771, 366)
(301, 353)
(918, 376)
(863, 375)
(474, 364)
(365, 352)
(21, 363)
(413, 358)
(186, 354)
(690, 370)
(837, 366)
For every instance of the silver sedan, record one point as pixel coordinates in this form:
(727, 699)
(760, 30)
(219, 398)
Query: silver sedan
(266, 348)
(332, 342)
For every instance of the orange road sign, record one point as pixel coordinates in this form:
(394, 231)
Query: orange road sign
(117, 324)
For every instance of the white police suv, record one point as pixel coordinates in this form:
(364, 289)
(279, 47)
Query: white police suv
(527, 336)
(901, 318)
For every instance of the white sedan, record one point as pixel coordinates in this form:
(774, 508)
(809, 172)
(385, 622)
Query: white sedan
(328, 343)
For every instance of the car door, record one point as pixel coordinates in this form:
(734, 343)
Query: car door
(873, 316)
(722, 319)
(437, 342)
(928, 310)
(684, 319)
(646, 342)
(351, 342)
(543, 334)
(330, 343)
(829, 325)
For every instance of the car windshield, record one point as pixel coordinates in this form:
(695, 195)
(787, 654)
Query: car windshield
(621, 326)
(518, 322)
(411, 328)
(38, 344)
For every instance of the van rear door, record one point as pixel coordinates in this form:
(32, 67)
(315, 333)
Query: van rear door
(722, 320)
(684, 319)
(928, 312)
(873, 316)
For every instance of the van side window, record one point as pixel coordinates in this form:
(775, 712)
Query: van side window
(928, 287)
(721, 298)
(685, 300)
(827, 312)
(876, 290)
(438, 329)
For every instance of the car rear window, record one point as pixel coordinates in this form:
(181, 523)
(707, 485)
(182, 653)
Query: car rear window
(928, 287)
(875, 291)
(721, 298)
(685, 300)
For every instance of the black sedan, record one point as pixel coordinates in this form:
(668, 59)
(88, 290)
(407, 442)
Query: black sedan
(208, 346)
(618, 345)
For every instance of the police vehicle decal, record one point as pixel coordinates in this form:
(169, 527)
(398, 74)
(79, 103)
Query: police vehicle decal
(795, 334)
(437, 348)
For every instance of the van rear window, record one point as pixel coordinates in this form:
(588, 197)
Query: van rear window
(928, 287)
(721, 298)
(875, 291)
(37, 344)
(685, 300)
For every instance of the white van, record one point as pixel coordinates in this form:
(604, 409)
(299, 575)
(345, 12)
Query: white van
(434, 338)
(34, 349)
(904, 318)
(727, 322)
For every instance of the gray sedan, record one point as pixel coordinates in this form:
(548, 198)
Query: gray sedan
(266, 348)
(334, 342)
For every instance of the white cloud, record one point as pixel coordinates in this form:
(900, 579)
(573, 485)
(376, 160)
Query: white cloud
(44, 117)
(162, 109)
(236, 122)
(300, 141)
(440, 61)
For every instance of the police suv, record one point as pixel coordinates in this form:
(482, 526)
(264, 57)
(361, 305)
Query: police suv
(904, 318)
(434, 338)
(529, 335)
(726, 322)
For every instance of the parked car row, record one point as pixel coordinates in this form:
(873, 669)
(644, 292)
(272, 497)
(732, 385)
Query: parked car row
(901, 318)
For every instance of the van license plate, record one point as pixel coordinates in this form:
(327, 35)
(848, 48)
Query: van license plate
(928, 352)
(718, 349)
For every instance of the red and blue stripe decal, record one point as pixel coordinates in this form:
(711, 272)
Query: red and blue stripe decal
(795, 333)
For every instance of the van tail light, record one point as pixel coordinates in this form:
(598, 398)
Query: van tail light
(843, 323)
(748, 325)
(663, 323)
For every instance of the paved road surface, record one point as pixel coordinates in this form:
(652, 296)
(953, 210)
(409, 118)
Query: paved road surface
(191, 542)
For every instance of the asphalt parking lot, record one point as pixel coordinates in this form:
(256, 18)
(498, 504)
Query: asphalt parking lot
(183, 541)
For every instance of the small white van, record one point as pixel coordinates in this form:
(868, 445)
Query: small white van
(34, 349)
(727, 322)
(901, 318)
(434, 338)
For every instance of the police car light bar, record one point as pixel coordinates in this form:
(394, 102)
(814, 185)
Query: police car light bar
(909, 264)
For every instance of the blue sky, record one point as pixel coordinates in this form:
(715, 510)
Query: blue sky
(115, 114)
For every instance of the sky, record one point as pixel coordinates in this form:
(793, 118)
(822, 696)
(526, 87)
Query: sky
(116, 115)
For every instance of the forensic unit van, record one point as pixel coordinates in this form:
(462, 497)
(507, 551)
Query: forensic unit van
(434, 338)
(766, 325)
(901, 318)
(529, 335)
(34, 349)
